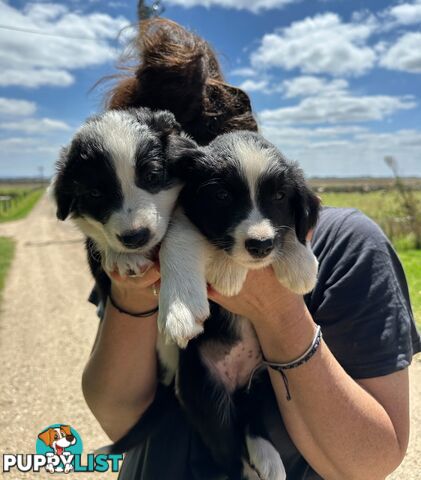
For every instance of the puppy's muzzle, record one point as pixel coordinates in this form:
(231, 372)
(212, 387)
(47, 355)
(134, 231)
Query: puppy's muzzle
(135, 238)
(259, 248)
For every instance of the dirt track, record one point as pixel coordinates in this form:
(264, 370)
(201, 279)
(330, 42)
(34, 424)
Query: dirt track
(46, 331)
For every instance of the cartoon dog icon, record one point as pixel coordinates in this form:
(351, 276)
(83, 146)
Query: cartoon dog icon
(58, 438)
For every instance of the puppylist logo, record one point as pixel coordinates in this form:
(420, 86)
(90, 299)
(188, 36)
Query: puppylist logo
(59, 450)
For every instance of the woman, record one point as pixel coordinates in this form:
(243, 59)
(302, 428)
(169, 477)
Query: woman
(349, 413)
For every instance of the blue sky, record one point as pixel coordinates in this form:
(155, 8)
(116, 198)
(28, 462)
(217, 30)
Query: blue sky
(335, 84)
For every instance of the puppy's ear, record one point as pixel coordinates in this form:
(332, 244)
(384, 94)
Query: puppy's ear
(164, 123)
(60, 188)
(306, 211)
(66, 429)
(184, 156)
(46, 437)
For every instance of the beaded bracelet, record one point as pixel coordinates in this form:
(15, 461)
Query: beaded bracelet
(304, 358)
(281, 367)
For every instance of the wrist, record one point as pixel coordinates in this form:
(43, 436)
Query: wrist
(134, 299)
(286, 334)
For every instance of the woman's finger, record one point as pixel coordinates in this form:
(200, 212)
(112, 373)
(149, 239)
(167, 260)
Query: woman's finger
(144, 281)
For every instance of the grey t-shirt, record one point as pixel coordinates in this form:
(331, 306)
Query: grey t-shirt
(361, 301)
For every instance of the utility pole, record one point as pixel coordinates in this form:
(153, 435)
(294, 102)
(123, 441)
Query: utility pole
(145, 11)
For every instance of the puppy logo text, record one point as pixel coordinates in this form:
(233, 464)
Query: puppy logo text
(58, 439)
(59, 450)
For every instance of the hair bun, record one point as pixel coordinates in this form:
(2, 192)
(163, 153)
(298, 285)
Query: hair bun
(179, 71)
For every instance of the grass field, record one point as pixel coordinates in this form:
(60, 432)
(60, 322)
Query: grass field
(7, 248)
(23, 205)
(411, 260)
(384, 207)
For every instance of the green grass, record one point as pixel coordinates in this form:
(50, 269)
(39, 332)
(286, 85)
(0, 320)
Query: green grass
(411, 260)
(377, 205)
(22, 207)
(384, 207)
(7, 248)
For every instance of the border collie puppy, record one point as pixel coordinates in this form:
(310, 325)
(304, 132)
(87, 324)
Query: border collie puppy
(243, 207)
(115, 181)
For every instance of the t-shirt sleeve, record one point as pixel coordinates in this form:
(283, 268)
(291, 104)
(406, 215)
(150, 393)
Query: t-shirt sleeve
(361, 300)
(95, 299)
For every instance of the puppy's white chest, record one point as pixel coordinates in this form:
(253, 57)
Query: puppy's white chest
(232, 365)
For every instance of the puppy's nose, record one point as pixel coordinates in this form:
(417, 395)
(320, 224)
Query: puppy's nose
(70, 438)
(135, 238)
(259, 248)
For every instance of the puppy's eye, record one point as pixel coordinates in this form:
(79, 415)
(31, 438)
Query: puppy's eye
(55, 436)
(95, 193)
(222, 195)
(153, 178)
(278, 196)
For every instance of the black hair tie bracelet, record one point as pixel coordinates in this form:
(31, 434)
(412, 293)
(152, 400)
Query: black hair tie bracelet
(148, 313)
(282, 367)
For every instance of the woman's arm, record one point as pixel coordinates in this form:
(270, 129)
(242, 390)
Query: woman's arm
(345, 429)
(120, 378)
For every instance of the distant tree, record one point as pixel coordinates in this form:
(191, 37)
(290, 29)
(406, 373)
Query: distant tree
(409, 202)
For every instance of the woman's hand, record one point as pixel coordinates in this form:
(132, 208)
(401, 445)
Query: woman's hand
(262, 299)
(136, 294)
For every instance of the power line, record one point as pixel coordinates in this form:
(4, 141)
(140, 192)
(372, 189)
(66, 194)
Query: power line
(39, 32)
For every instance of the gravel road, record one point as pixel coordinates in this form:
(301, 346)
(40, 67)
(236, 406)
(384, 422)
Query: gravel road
(47, 329)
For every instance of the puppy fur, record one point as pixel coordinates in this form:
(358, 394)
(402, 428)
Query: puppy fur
(114, 180)
(116, 183)
(243, 207)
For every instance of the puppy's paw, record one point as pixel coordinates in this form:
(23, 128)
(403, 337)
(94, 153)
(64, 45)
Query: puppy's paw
(180, 323)
(265, 459)
(299, 272)
(126, 263)
(248, 472)
(297, 282)
(228, 281)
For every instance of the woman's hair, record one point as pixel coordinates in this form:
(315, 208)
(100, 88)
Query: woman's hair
(177, 70)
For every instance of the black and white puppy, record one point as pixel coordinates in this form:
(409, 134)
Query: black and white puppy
(243, 207)
(116, 183)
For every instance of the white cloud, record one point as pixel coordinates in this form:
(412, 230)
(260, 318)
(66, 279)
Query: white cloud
(14, 107)
(254, 85)
(25, 144)
(405, 54)
(32, 60)
(338, 108)
(306, 86)
(244, 72)
(320, 44)
(35, 78)
(251, 5)
(28, 153)
(406, 13)
(347, 151)
(35, 125)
